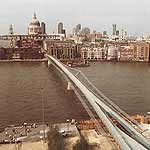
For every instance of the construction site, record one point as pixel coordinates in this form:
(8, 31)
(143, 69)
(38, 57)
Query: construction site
(71, 135)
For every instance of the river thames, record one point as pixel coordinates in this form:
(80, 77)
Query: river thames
(127, 85)
(21, 85)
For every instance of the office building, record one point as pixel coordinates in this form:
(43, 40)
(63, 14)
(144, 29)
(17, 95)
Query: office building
(60, 28)
(141, 51)
(64, 50)
(43, 28)
(114, 29)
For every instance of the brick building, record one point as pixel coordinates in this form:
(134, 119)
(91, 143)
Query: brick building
(141, 51)
(20, 53)
(65, 50)
(125, 53)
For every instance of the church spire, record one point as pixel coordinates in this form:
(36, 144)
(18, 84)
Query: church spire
(11, 31)
(34, 16)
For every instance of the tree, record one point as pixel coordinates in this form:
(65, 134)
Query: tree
(81, 144)
(55, 140)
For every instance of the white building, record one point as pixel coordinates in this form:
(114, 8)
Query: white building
(112, 53)
(94, 53)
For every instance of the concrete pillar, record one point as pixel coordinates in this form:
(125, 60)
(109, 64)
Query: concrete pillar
(49, 62)
(69, 86)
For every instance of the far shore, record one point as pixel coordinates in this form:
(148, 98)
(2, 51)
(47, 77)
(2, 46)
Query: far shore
(24, 60)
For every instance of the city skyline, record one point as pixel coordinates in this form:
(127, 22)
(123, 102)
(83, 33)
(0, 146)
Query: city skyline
(132, 16)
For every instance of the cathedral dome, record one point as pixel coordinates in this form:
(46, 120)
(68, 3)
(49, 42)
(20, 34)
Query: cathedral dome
(35, 21)
(34, 27)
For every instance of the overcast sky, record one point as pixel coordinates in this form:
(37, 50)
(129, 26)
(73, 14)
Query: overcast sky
(131, 15)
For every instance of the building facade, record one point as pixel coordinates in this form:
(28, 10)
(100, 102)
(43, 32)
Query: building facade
(20, 53)
(125, 53)
(114, 29)
(136, 51)
(94, 53)
(43, 28)
(141, 51)
(65, 50)
(112, 52)
(60, 28)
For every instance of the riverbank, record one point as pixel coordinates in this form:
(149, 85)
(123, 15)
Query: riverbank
(117, 61)
(25, 60)
(31, 136)
(70, 135)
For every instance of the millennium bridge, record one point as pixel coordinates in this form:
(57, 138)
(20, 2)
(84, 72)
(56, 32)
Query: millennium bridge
(127, 133)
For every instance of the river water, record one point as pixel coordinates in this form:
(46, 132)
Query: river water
(21, 84)
(126, 84)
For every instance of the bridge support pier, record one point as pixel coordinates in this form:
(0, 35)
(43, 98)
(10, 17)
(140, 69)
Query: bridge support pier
(69, 86)
(49, 62)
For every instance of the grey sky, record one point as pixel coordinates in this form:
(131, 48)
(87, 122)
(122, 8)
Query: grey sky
(132, 15)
